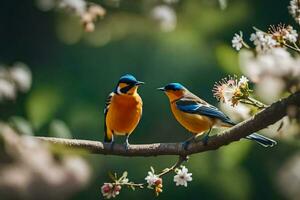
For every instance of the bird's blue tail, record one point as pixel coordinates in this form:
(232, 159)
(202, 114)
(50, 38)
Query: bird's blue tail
(262, 140)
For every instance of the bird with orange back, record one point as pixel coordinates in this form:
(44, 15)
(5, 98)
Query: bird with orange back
(199, 117)
(123, 109)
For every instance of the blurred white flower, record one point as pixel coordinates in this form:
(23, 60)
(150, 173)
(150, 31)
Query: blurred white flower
(7, 90)
(79, 6)
(285, 129)
(270, 88)
(237, 41)
(182, 176)
(273, 72)
(22, 76)
(152, 178)
(18, 77)
(166, 17)
(45, 5)
(262, 41)
(23, 175)
(79, 168)
(170, 1)
(292, 35)
(288, 177)
(294, 9)
(277, 62)
(223, 4)
(238, 113)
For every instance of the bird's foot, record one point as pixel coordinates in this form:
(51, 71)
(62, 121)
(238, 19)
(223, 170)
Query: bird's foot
(205, 139)
(185, 144)
(126, 145)
(111, 145)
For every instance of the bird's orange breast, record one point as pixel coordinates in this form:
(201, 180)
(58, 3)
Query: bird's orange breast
(124, 113)
(194, 123)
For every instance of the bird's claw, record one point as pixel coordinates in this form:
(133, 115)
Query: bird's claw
(185, 145)
(111, 145)
(126, 145)
(205, 140)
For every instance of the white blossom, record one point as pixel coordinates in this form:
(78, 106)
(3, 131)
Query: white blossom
(291, 35)
(270, 88)
(165, 16)
(45, 5)
(225, 90)
(288, 177)
(229, 92)
(21, 75)
(272, 72)
(277, 62)
(151, 178)
(237, 41)
(7, 90)
(170, 1)
(79, 6)
(243, 81)
(182, 177)
(262, 41)
(294, 10)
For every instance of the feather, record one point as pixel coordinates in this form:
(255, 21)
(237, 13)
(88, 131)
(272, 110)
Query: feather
(262, 140)
(194, 107)
(107, 104)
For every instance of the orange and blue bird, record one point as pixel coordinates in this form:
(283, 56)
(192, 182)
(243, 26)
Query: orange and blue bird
(123, 109)
(199, 117)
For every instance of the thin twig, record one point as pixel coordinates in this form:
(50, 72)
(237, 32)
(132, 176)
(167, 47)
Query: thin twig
(164, 172)
(291, 47)
(253, 102)
(180, 160)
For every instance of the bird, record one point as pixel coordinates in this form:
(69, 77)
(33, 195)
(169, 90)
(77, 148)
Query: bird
(199, 117)
(123, 109)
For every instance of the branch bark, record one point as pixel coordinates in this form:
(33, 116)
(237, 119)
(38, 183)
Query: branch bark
(261, 120)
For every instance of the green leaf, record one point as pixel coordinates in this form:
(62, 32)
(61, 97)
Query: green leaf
(59, 128)
(21, 125)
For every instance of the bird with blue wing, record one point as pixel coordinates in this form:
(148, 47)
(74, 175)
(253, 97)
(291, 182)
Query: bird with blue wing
(123, 109)
(199, 117)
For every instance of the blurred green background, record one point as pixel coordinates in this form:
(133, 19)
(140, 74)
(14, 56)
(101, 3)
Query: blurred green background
(73, 72)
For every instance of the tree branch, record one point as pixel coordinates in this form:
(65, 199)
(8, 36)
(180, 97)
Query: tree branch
(261, 120)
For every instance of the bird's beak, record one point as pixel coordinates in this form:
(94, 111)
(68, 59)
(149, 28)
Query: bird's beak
(161, 89)
(140, 83)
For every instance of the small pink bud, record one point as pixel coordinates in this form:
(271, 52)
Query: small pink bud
(106, 187)
(117, 188)
(158, 181)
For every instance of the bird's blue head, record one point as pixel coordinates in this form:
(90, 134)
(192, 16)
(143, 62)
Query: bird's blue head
(172, 87)
(174, 91)
(128, 84)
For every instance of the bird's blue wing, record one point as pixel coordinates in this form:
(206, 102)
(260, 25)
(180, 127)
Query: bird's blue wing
(194, 107)
(107, 104)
